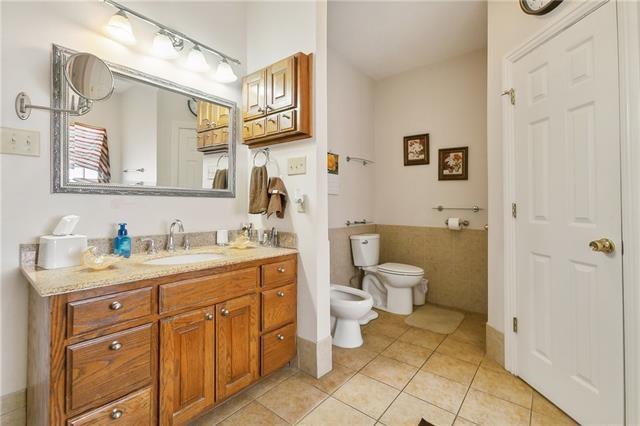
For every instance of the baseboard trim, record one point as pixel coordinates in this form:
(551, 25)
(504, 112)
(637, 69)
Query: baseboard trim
(495, 344)
(314, 358)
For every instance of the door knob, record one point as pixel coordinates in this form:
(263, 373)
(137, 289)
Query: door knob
(208, 317)
(116, 414)
(224, 312)
(281, 269)
(603, 245)
(115, 345)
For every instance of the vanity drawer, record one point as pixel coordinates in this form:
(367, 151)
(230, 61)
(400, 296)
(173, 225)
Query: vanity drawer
(278, 307)
(98, 312)
(279, 273)
(101, 370)
(211, 289)
(134, 409)
(278, 348)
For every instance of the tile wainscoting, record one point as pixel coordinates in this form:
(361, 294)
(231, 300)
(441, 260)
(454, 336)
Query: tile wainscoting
(455, 263)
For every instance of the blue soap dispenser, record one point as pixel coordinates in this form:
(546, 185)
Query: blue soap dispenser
(122, 243)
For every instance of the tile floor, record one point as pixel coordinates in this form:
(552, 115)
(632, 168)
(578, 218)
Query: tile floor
(400, 375)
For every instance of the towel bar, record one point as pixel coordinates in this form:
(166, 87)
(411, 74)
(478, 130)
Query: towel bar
(474, 209)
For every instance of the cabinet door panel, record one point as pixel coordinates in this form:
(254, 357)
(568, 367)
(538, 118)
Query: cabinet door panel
(253, 95)
(187, 344)
(237, 344)
(280, 85)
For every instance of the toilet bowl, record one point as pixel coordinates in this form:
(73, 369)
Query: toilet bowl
(399, 280)
(347, 306)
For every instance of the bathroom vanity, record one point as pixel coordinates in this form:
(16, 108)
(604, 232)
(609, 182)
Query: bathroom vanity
(148, 344)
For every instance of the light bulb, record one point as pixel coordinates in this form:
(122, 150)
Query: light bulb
(196, 60)
(119, 28)
(163, 46)
(224, 73)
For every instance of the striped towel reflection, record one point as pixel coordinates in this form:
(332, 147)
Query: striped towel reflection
(88, 148)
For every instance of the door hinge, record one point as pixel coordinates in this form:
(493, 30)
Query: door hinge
(515, 324)
(514, 210)
(512, 95)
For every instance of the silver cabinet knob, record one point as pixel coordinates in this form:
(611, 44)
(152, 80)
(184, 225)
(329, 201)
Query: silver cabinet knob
(224, 312)
(208, 317)
(116, 414)
(115, 345)
(280, 337)
(114, 306)
(281, 269)
(280, 294)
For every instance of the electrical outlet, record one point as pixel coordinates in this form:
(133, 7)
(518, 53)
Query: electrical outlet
(20, 142)
(297, 166)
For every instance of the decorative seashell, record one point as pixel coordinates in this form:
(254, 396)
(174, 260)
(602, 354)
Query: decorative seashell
(98, 262)
(242, 242)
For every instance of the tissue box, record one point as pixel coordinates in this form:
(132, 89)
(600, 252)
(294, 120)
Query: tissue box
(61, 251)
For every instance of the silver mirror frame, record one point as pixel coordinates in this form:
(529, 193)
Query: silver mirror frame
(60, 135)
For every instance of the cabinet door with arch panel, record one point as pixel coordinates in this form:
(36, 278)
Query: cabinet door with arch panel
(237, 344)
(281, 85)
(253, 95)
(187, 365)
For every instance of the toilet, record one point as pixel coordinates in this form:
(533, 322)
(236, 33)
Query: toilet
(347, 306)
(390, 284)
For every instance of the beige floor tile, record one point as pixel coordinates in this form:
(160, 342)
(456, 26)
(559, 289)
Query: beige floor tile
(334, 412)
(484, 409)
(292, 399)
(407, 353)
(408, 410)
(460, 421)
(492, 365)
(389, 371)
(353, 358)
(376, 342)
(437, 390)
(543, 406)
(261, 387)
(474, 335)
(539, 419)
(461, 350)
(503, 385)
(451, 368)
(253, 414)
(330, 381)
(225, 410)
(367, 395)
(283, 374)
(389, 329)
(423, 338)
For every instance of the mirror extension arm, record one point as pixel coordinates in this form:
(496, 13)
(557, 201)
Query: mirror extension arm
(24, 107)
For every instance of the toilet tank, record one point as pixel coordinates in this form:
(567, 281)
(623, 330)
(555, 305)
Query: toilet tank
(365, 249)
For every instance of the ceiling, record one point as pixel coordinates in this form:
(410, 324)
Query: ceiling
(389, 37)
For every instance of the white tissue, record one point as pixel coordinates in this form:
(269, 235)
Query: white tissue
(222, 237)
(454, 223)
(66, 225)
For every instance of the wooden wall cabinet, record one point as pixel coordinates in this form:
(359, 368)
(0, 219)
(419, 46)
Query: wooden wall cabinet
(212, 126)
(161, 351)
(276, 102)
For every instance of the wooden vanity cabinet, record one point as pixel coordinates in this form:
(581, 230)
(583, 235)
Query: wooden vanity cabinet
(161, 351)
(212, 126)
(276, 102)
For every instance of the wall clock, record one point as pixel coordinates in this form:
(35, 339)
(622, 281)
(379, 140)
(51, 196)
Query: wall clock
(538, 7)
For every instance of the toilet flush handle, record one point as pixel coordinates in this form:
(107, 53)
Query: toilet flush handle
(365, 242)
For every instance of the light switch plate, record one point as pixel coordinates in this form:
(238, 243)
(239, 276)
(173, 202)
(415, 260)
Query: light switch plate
(20, 142)
(297, 166)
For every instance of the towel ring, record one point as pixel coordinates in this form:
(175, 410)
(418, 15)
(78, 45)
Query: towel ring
(220, 158)
(264, 152)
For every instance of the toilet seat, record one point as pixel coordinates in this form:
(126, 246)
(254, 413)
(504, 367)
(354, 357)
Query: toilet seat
(400, 269)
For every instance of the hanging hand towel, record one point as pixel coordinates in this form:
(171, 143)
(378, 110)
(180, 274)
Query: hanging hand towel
(277, 197)
(258, 196)
(220, 179)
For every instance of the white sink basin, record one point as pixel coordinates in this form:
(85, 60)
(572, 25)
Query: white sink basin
(184, 259)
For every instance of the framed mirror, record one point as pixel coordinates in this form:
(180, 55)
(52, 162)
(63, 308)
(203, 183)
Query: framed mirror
(149, 137)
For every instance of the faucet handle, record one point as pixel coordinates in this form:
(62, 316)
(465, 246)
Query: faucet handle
(152, 245)
(187, 243)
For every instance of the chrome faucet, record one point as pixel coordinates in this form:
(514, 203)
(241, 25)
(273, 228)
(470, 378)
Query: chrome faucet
(171, 246)
(151, 247)
(274, 237)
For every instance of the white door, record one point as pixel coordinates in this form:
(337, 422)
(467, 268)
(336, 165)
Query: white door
(189, 160)
(570, 333)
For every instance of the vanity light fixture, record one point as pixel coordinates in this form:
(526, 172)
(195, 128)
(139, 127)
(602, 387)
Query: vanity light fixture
(119, 27)
(164, 46)
(224, 73)
(196, 60)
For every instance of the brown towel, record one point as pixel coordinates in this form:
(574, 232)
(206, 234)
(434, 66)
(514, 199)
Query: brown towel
(220, 179)
(258, 196)
(277, 197)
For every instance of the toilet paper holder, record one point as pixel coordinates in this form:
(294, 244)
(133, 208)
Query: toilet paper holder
(463, 222)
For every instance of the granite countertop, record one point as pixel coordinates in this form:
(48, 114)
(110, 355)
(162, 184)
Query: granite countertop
(51, 282)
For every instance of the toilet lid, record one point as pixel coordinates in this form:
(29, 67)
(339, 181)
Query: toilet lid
(400, 269)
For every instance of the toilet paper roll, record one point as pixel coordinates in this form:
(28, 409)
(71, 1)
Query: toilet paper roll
(454, 223)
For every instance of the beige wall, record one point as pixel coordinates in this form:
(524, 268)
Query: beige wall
(508, 27)
(342, 270)
(448, 101)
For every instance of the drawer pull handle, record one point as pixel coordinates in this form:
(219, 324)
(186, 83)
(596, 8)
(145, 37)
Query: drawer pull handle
(281, 269)
(280, 337)
(116, 414)
(224, 312)
(209, 317)
(115, 345)
(114, 306)
(280, 294)
(286, 116)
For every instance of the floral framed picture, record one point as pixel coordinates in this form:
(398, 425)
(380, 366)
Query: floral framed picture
(453, 163)
(416, 150)
(333, 163)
